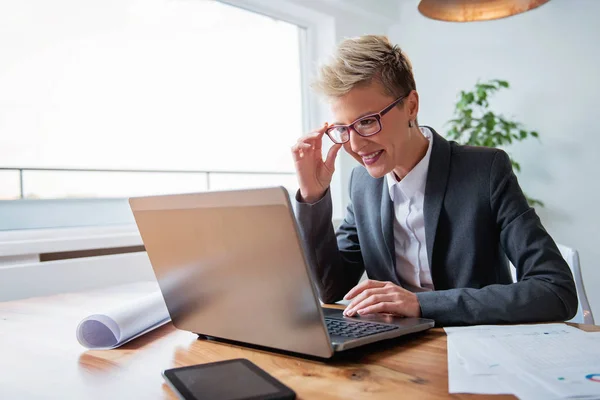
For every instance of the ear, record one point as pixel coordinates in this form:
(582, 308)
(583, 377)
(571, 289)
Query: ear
(412, 105)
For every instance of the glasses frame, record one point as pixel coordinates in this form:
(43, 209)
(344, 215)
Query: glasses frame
(377, 116)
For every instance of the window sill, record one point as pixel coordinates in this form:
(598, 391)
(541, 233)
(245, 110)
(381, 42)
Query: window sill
(37, 241)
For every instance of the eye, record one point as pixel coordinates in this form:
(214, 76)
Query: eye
(367, 122)
(336, 129)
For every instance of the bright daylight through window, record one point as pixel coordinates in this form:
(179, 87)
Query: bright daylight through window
(145, 85)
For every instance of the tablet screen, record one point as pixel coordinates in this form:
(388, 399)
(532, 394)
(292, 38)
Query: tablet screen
(225, 381)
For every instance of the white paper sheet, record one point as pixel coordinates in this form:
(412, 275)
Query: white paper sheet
(122, 324)
(461, 381)
(480, 358)
(562, 361)
(480, 368)
(476, 364)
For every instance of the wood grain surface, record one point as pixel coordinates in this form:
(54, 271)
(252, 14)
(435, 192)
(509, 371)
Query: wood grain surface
(41, 358)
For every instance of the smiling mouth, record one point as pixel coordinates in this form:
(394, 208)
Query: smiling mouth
(371, 156)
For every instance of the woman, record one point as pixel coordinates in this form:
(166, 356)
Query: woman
(429, 220)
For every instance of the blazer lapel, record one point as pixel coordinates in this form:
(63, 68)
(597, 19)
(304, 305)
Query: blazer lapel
(387, 222)
(435, 189)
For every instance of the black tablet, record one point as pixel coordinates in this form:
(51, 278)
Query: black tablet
(237, 379)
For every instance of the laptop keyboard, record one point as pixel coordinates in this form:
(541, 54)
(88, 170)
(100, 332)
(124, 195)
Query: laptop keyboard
(337, 327)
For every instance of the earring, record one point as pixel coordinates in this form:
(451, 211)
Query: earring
(410, 124)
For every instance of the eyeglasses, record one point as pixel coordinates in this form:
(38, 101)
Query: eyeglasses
(365, 126)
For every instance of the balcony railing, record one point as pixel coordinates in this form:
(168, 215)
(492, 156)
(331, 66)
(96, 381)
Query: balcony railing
(207, 174)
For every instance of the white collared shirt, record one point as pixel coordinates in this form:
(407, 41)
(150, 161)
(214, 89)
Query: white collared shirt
(412, 264)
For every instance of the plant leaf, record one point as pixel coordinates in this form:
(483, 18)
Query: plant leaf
(475, 124)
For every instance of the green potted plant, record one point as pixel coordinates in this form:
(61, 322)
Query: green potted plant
(475, 124)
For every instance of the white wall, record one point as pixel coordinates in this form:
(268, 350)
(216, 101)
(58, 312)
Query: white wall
(551, 57)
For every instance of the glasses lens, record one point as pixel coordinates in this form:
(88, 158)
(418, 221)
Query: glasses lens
(367, 126)
(339, 134)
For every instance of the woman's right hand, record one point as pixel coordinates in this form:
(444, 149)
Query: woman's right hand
(314, 174)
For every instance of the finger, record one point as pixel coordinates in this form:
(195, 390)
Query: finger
(362, 297)
(383, 307)
(315, 143)
(331, 155)
(369, 283)
(317, 133)
(301, 146)
(369, 301)
(316, 138)
(299, 150)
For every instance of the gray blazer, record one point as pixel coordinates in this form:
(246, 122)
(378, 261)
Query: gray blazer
(475, 215)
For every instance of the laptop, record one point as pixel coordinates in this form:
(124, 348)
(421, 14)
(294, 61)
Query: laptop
(231, 266)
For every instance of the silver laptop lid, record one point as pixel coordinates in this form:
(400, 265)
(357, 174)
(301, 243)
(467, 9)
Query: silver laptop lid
(230, 265)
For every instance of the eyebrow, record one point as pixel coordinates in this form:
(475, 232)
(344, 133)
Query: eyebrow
(359, 117)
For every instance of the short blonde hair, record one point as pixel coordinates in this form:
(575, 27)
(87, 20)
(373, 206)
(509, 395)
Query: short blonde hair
(360, 60)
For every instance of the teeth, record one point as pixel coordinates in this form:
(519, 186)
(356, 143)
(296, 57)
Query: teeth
(372, 155)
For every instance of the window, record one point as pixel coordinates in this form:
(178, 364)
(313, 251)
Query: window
(121, 98)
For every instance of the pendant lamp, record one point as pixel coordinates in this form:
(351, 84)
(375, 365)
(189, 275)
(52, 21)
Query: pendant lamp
(475, 10)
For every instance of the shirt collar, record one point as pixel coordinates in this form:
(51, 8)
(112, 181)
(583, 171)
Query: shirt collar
(414, 181)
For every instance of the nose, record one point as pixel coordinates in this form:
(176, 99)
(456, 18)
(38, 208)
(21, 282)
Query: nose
(357, 142)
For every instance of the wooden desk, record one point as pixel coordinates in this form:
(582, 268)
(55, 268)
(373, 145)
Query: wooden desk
(41, 358)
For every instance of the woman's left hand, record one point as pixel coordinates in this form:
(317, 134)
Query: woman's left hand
(371, 297)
